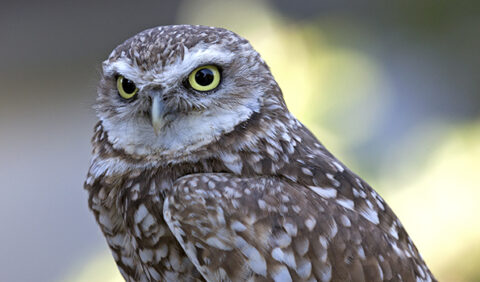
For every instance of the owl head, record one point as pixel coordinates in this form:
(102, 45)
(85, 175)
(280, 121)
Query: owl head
(173, 89)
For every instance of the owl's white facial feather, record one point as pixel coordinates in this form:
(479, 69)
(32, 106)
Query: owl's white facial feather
(185, 134)
(187, 131)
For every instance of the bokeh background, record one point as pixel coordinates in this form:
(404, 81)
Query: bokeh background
(390, 87)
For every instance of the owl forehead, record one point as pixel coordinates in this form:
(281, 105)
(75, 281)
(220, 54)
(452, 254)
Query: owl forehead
(179, 47)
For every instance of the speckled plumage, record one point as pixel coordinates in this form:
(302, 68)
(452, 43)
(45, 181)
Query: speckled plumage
(233, 187)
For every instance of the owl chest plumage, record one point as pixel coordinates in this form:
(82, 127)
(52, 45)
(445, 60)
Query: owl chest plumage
(127, 200)
(128, 208)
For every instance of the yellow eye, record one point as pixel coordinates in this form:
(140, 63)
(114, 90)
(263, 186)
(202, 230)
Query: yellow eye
(126, 88)
(204, 78)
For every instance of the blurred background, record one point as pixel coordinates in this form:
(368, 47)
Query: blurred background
(390, 87)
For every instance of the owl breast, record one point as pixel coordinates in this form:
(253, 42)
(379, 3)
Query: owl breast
(128, 208)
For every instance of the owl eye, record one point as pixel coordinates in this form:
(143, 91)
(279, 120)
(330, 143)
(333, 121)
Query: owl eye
(204, 78)
(126, 88)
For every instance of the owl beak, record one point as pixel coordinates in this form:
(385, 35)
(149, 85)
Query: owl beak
(157, 113)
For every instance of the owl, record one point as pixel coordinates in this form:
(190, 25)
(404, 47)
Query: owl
(200, 173)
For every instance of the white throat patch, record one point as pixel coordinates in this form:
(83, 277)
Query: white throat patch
(185, 134)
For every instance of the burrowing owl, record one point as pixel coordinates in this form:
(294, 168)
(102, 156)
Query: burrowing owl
(200, 172)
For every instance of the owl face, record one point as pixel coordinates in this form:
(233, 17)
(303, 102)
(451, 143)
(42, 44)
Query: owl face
(171, 90)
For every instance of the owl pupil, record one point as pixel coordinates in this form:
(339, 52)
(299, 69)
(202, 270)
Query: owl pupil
(204, 77)
(128, 86)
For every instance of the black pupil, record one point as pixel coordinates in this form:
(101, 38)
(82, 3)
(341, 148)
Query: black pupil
(204, 77)
(128, 86)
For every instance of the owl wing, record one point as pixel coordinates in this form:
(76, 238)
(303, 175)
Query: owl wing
(265, 228)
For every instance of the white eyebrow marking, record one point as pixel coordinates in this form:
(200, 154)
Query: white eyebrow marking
(177, 70)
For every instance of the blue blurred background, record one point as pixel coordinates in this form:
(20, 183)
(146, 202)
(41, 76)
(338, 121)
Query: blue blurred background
(390, 87)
